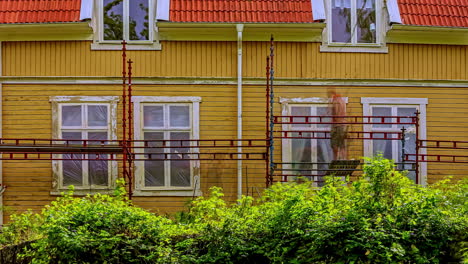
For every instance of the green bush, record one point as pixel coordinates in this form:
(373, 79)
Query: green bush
(381, 218)
(95, 229)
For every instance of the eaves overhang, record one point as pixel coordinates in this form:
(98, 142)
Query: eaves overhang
(46, 31)
(199, 31)
(412, 34)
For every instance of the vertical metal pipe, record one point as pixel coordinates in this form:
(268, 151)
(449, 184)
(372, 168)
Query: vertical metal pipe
(267, 121)
(417, 147)
(130, 117)
(240, 28)
(129, 144)
(272, 96)
(124, 103)
(2, 187)
(403, 135)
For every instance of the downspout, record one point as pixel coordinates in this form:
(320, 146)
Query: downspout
(2, 188)
(240, 28)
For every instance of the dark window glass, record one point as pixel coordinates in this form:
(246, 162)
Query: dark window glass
(366, 26)
(98, 169)
(139, 20)
(341, 21)
(154, 166)
(180, 169)
(113, 19)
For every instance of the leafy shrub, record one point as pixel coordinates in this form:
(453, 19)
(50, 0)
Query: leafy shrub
(97, 229)
(381, 218)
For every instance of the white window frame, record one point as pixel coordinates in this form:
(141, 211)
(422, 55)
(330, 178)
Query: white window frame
(140, 188)
(100, 44)
(354, 46)
(419, 103)
(57, 103)
(286, 104)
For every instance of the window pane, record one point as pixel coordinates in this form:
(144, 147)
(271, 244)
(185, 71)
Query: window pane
(71, 115)
(139, 20)
(410, 148)
(113, 19)
(366, 25)
(153, 116)
(301, 111)
(341, 21)
(154, 169)
(98, 170)
(179, 115)
(72, 135)
(301, 150)
(323, 111)
(382, 111)
(324, 155)
(97, 115)
(72, 168)
(382, 146)
(403, 111)
(180, 170)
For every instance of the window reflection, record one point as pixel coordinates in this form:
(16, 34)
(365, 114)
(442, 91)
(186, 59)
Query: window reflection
(126, 19)
(113, 19)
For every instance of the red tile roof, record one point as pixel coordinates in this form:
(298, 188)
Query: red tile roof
(39, 11)
(445, 13)
(449, 13)
(260, 11)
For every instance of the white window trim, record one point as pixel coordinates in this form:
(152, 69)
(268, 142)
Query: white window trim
(100, 44)
(421, 103)
(378, 47)
(193, 190)
(285, 103)
(56, 102)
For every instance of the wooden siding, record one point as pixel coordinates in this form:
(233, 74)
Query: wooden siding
(27, 111)
(27, 114)
(218, 59)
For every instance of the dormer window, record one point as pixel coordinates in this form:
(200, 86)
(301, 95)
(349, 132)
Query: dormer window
(353, 21)
(126, 19)
(354, 26)
(129, 20)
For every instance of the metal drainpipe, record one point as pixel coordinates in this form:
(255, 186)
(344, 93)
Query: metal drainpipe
(1, 136)
(240, 28)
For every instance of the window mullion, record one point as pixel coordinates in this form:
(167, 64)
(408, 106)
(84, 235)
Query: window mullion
(126, 20)
(314, 145)
(354, 22)
(395, 128)
(167, 162)
(85, 163)
(101, 20)
(151, 19)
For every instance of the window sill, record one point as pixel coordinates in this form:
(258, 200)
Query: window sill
(356, 49)
(82, 192)
(130, 46)
(168, 192)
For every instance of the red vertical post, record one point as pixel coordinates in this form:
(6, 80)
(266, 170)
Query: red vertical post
(417, 147)
(272, 98)
(267, 120)
(130, 112)
(124, 103)
(130, 137)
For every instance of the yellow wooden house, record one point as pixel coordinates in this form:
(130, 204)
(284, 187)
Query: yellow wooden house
(199, 73)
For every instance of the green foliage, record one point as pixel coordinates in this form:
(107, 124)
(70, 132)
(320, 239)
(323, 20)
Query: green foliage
(381, 218)
(96, 229)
